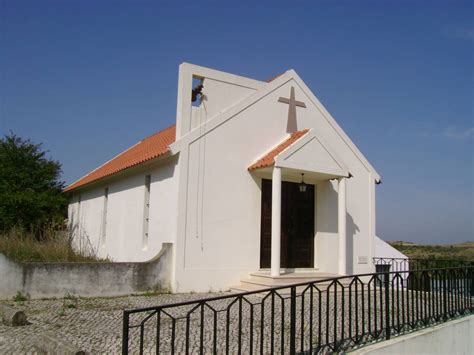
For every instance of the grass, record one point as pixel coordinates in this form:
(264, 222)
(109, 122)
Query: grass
(19, 297)
(462, 251)
(22, 247)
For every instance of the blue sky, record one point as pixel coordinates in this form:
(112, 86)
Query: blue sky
(90, 78)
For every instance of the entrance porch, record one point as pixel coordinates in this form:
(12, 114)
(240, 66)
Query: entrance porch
(288, 209)
(288, 230)
(297, 236)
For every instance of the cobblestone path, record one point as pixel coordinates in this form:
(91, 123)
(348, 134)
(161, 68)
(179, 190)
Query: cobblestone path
(95, 324)
(92, 324)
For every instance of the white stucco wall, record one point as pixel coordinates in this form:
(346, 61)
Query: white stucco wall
(219, 95)
(124, 232)
(219, 230)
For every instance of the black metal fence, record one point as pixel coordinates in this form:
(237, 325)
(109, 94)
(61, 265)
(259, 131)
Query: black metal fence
(386, 264)
(404, 264)
(331, 315)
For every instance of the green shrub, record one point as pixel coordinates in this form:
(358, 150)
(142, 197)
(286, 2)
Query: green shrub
(31, 196)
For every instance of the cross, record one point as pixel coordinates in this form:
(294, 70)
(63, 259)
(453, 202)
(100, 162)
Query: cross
(291, 125)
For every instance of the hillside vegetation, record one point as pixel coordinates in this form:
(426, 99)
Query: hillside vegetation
(462, 251)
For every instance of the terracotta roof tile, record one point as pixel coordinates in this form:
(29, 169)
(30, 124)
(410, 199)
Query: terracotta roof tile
(269, 158)
(149, 148)
(275, 77)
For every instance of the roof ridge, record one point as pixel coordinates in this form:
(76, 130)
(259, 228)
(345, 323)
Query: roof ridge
(146, 149)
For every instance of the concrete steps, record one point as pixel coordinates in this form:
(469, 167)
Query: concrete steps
(261, 280)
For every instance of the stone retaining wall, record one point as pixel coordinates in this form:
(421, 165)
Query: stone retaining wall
(38, 280)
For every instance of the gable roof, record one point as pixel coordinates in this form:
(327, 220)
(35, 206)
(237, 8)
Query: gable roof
(270, 87)
(327, 162)
(269, 158)
(147, 149)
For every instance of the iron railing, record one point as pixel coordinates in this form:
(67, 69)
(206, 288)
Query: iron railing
(330, 315)
(404, 264)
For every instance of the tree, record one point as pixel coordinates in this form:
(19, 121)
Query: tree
(31, 194)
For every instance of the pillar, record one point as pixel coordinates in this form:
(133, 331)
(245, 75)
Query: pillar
(341, 226)
(276, 222)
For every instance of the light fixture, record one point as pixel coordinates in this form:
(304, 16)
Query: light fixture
(302, 184)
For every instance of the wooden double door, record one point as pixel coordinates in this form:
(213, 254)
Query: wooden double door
(297, 225)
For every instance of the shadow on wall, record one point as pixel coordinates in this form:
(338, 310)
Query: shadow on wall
(351, 231)
(329, 225)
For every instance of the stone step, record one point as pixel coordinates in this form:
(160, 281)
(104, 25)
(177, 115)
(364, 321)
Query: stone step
(267, 284)
(262, 280)
(289, 278)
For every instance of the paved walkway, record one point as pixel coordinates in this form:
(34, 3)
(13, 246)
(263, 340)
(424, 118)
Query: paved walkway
(92, 324)
(95, 324)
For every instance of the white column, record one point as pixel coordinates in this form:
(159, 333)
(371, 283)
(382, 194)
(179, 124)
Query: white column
(276, 221)
(341, 226)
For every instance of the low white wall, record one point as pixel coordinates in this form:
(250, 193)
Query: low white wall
(454, 337)
(385, 250)
(90, 279)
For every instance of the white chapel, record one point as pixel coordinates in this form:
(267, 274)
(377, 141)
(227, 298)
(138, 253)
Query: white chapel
(254, 177)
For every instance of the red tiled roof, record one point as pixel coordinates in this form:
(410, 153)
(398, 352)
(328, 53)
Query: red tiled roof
(269, 158)
(275, 77)
(145, 150)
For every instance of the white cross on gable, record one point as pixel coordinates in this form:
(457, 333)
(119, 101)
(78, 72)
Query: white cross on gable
(293, 103)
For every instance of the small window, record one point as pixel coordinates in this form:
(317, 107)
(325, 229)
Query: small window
(146, 211)
(104, 216)
(78, 207)
(77, 222)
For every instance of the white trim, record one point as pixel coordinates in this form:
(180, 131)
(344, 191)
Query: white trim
(200, 71)
(313, 168)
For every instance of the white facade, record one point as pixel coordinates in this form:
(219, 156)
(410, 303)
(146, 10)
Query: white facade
(204, 199)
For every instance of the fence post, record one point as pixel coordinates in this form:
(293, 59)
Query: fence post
(387, 305)
(125, 325)
(470, 271)
(293, 321)
(445, 288)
